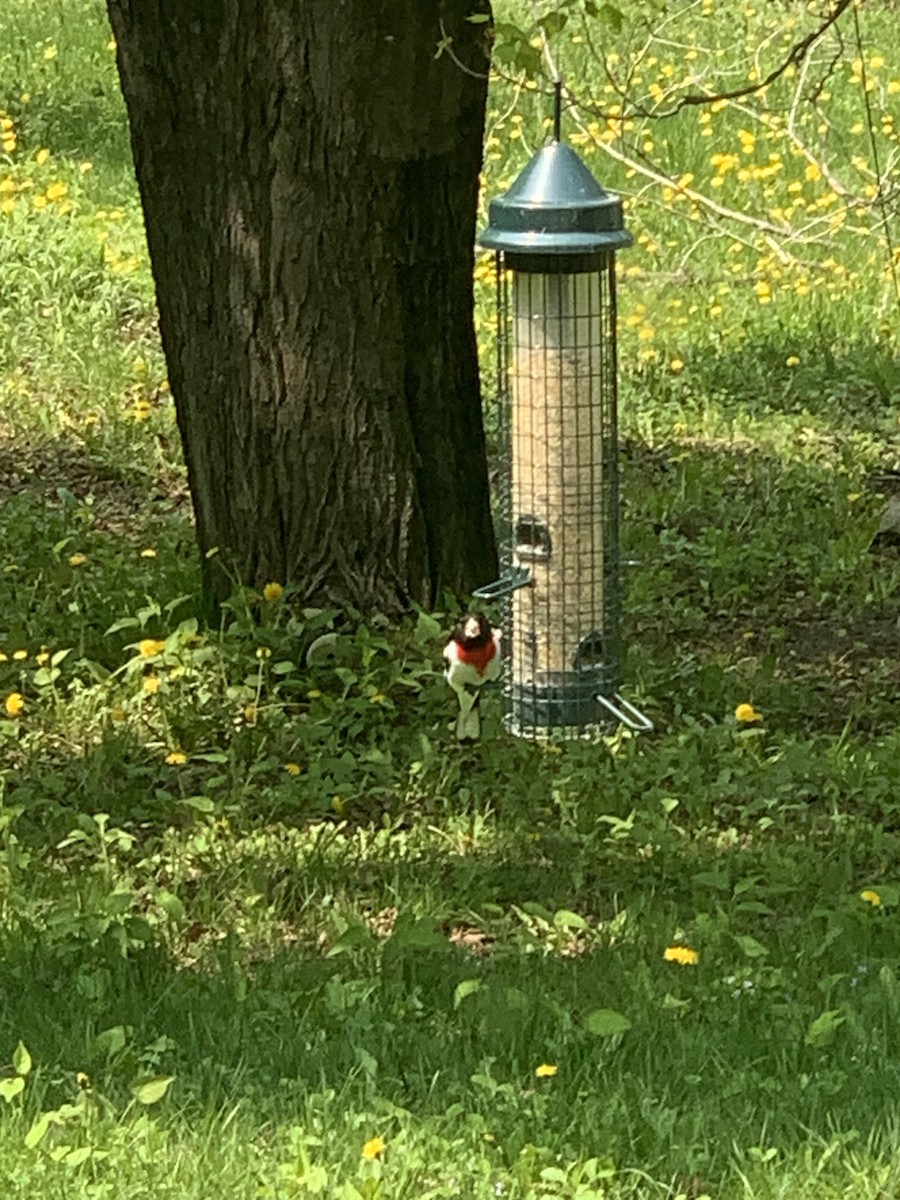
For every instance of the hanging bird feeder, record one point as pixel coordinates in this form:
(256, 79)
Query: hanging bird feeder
(555, 234)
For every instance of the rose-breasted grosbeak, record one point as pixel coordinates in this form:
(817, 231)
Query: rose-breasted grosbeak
(472, 658)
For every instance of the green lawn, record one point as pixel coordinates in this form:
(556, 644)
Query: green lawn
(266, 931)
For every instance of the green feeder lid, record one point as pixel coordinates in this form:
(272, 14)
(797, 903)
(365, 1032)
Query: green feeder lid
(556, 206)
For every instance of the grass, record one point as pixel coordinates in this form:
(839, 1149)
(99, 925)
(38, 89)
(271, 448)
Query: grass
(254, 915)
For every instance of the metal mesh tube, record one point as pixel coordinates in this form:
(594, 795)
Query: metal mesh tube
(558, 376)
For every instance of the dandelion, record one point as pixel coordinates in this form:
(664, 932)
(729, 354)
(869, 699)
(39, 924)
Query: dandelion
(792, 361)
(42, 658)
(263, 652)
(373, 1148)
(15, 702)
(151, 684)
(293, 768)
(148, 647)
(683, 955)
(148, 552)
(83, 1080)
(50, 53)
(870, 897)
(676, 366)
(546, 1070)
(77, 560)
(56, 191)
(176, 758)
(747, 713)
(273, 591)
(19, 655)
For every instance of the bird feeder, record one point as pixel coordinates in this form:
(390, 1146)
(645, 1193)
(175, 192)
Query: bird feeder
(555, 234)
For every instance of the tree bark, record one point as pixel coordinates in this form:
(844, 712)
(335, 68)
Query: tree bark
(309, 173)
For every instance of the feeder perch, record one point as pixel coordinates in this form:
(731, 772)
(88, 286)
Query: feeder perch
(555, 234)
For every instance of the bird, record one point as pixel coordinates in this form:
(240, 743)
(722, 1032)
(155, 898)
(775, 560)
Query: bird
(471, 659)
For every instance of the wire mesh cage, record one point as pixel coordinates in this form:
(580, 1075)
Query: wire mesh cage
(555, 234)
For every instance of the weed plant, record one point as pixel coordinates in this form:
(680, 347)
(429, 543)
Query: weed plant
(265, 930)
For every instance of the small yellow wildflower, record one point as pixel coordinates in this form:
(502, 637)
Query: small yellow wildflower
(3, 657)
(792, 361)
(263, 652)
(41, 157)
(50, 53)
(683, 955)
(293, 768)
(15, 702)
(151, 684)
(19, 655)
(852, 497)
(747, 713)
(43, 657)
(83, 1080)
(373, 1148)
(148, 647)
(546, 1070)
(870, 897)
(177, 758)
(77, 560)
(273, 591)
(251, 713)
(56, 191)
(676, 366)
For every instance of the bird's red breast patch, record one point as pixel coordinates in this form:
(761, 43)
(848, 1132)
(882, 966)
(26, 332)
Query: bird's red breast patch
(477, 656)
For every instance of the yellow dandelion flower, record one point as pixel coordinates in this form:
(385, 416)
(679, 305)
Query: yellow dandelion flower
(148, 552)
(42, 658)
(852, 497)
(19, 655)
(50, 53)
(56, 191)
(373, 1148)
(77, 560)
(151, 684)
(41, 157)
(15, 702)
(177, 758)
(870, 897)
(676, 366)
(813, 172)
(3, 657)
(683, 955)
(263, 652)
(747, 713)
(293, 768)
(546, 1070)
(792, 361)
(148, 647)
(273, 591)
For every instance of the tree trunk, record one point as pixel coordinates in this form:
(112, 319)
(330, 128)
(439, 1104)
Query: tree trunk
(309, 174)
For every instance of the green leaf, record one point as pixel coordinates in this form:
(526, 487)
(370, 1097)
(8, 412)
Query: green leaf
(10, 1088)
(467, 987)
(822, 1030)
(38, 1129)
(21, 1060)
(149, 1091)
(478, 18)
(608, 14)
(750, 946)
(564, 919)
(201, 804)
(77, 1156)
(605, 1022)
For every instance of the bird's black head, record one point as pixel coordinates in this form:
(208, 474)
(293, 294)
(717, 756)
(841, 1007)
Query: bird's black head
(472, 631)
